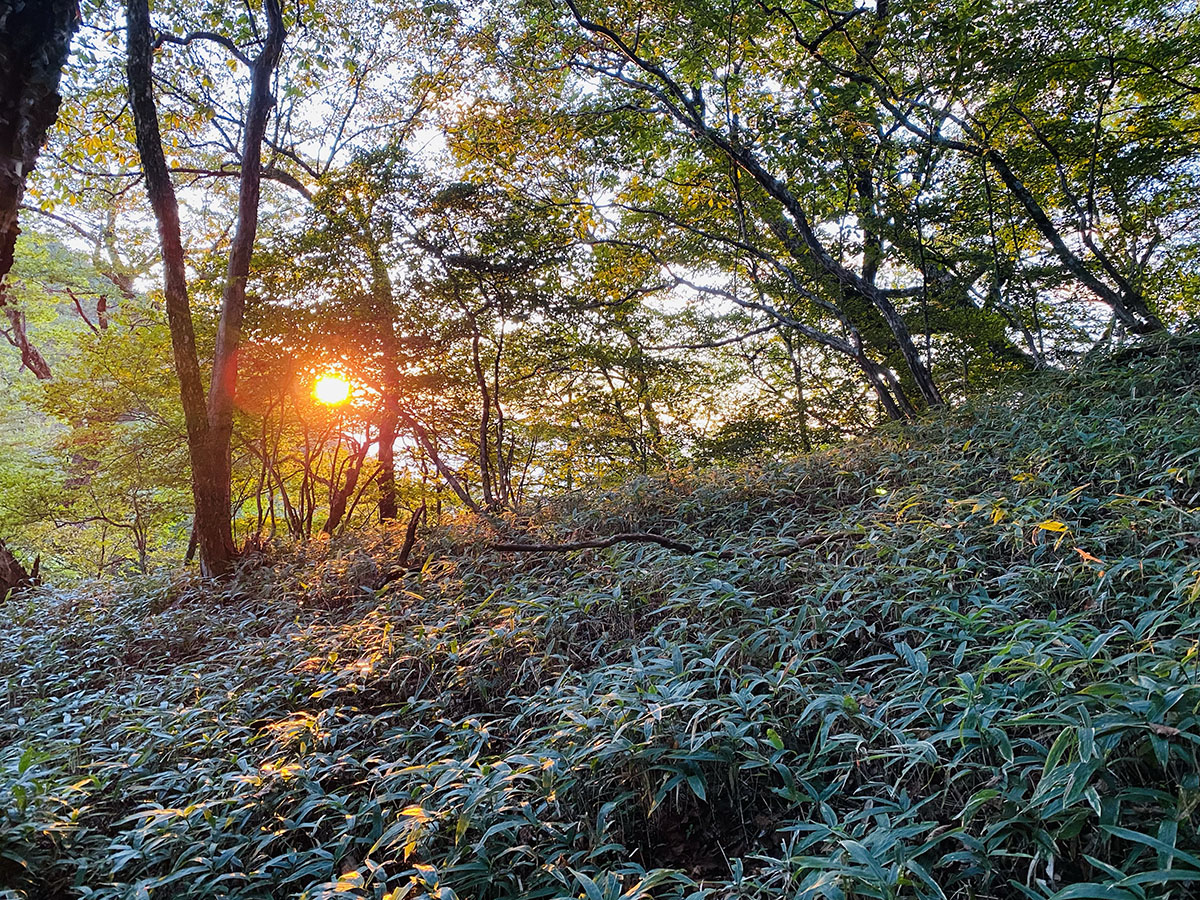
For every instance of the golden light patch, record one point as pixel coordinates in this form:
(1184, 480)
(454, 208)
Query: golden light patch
(331, 389)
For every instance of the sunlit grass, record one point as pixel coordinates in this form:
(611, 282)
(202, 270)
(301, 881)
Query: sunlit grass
(951, 702)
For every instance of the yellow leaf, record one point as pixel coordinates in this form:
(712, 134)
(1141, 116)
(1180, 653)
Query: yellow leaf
(349, 882)
(1053, 525)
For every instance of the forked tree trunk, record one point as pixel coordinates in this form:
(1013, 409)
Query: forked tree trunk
(209, 420)
(341, 495)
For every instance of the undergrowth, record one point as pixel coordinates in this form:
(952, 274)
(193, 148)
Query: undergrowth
(983, 683)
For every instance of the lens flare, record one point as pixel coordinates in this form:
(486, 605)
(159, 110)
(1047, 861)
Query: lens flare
(331, 389)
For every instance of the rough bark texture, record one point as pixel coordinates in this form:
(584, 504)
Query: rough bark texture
(209, 420)
(13, 576)
(35, 36)
(233, 301)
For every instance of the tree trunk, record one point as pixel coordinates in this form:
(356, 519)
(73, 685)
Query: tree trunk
(341, 495)
(485, 403)
(209, 420)
(233, 301)
(1130, 307)
(800, 404)
(389, 424)
(384, 312)
(13, 576)
(426, 443)
(34, 40)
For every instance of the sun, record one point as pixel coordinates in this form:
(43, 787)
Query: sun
(331, 389)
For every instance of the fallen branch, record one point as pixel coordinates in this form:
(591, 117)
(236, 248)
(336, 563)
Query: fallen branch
(638, 537)
(633, 537)
(410, 538)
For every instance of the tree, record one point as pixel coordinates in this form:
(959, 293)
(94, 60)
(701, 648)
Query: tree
(941, 193)
(707, 90)
(93, 462)
(209, 419)
(34, 39)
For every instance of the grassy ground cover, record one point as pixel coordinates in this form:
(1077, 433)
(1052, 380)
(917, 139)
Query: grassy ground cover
(957, 660)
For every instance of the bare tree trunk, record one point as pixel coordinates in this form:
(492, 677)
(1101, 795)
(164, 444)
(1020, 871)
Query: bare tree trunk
(34, 40)
(13, 576)
(410, 536)
(209, 421)
(389, 424)
(233, 301)
(341, 495)
(1129, 306)
(504, 461)
(800, 403)
(426, 443)
(485, 401)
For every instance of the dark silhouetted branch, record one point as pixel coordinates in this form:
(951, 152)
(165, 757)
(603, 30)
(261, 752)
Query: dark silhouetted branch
(638, 537)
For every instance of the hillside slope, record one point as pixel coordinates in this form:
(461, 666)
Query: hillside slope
(957, 660)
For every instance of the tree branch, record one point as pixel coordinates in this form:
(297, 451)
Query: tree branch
(234, 50)
(641, 537)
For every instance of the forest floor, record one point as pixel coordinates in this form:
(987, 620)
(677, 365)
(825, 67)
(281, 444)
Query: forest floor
(958, 659)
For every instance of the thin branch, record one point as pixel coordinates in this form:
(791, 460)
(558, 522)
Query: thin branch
(640, 537)
(235, 51)
(711, 345)
(633, 537)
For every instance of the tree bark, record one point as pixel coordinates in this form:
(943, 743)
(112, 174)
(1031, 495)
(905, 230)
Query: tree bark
(389, 424)
(35, 36)
(13, 576)
(341, 495)
(233, 301)
(209, 420)
(1127, 304)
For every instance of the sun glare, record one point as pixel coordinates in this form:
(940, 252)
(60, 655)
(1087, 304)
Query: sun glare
(331, 389)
